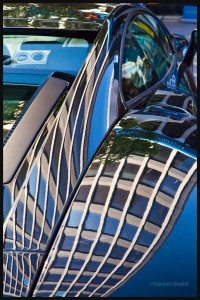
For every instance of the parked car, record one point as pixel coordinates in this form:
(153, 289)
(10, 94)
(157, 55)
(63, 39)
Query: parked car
(99, 157)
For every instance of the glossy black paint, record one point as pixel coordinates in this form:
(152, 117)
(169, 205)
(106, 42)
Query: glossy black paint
(135, 164)
(80, 168)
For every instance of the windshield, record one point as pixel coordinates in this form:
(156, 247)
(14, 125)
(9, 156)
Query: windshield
(28, 60)
(31, 58)
(15, 98)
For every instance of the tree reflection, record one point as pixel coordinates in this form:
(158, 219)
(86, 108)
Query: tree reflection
(69, 11)
(130, 138)
(149, 125)
(116, 148)
(11, 111)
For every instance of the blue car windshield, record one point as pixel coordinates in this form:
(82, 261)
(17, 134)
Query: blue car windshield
(27, 62)
(29, 59)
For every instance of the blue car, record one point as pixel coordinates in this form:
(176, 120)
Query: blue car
(99, 155)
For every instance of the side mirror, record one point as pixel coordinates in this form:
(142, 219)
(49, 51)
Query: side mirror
(194, 32)
(185, 68)
(191, 51)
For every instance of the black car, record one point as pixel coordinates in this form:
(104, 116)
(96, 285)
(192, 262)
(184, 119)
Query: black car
(99, 175)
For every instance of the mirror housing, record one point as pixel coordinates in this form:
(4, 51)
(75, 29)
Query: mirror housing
(191, 51)
(185, 68)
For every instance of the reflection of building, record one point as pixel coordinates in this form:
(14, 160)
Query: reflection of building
(119, 213)
(20, 269)
(178, 100)
(170, 115)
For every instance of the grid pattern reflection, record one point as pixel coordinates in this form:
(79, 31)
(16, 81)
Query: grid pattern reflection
(52, 168)
(19, 272)
(118, 214)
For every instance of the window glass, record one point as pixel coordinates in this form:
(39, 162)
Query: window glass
(134, 256)
(145, 238)
(147, 55)
(150, 177)
(107, 268)
(92, 221)
(118, 252)
(67, 243)
(170, 185)
(92, 266)
(84, 245)
(138, 205)
(28, 60)
(15, 98)
(123, 270)
(110, 225)
(101, 248)
(182, 162)
(59, 262)
(36, 55)
(128, 232)
(76, 264)
(157, 214)
(74, 218)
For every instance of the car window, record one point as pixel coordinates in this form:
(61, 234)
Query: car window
(147, 55)
(30, 58)
(15, 98)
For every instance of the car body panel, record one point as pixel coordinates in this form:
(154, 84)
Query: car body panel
(156, 277)
(81, 232)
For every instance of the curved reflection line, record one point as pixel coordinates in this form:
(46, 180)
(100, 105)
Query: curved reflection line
(88, 108)
(74, 128)
(14, 229)
(109, 98)
(86, 118)
(9, 215)
(24, 214)
(60, 152)
(30, 167)
(11, 268)
(32, 155)
(29, 277)
(22, 273)
(132, 190)
(149, 205)
(5, 268)
(47, 181)
(104, 212)
(93, 186)
(21, 192)
(170, 212)
(53, 253)
(16, 199)
(35, 204)
(17, 274)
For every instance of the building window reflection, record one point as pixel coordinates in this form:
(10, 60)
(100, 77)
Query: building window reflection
(109, 227)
